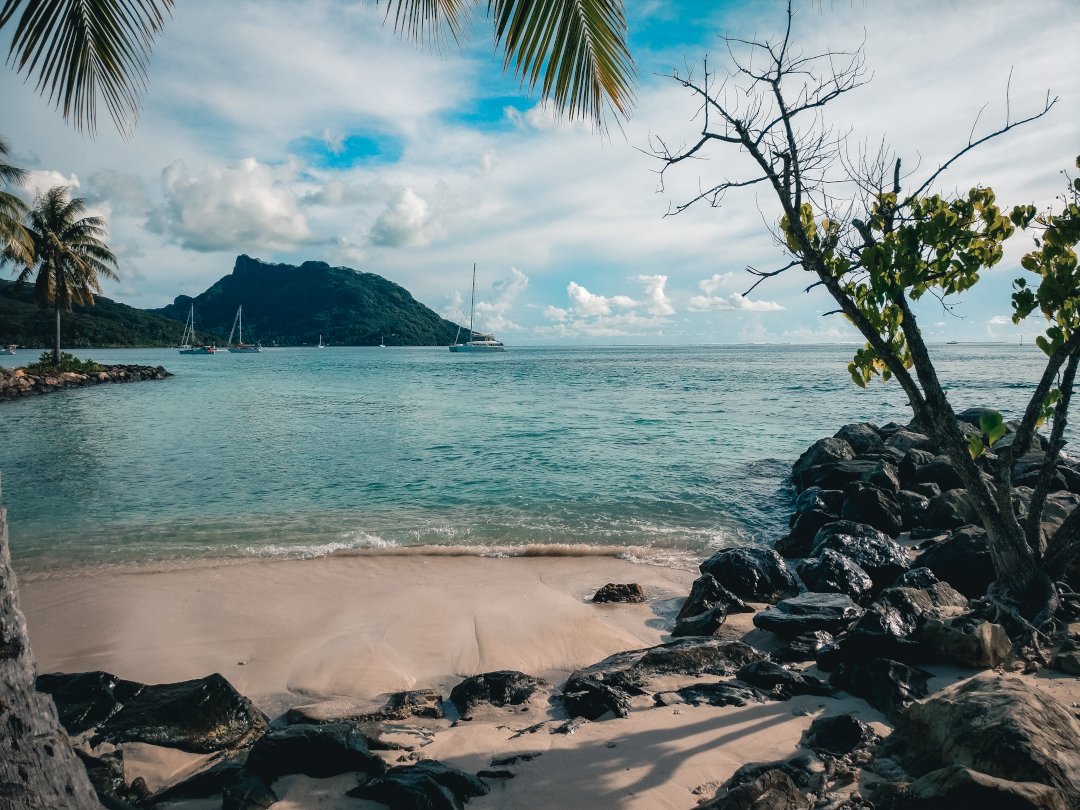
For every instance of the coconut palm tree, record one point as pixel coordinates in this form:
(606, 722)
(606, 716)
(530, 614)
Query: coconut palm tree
(69, 256)
(573, 50)
(15, 243)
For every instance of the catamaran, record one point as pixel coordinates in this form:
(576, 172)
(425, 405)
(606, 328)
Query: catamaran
(10, 349)
(478, 341)
(238, 326)
(187, 342)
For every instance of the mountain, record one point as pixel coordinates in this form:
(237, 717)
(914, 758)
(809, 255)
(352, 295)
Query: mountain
(291, 305)
(106, 324)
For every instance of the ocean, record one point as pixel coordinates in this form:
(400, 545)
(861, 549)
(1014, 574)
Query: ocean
(661, 454)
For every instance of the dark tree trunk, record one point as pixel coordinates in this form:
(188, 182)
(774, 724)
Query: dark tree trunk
(56, 339)
(38, 769)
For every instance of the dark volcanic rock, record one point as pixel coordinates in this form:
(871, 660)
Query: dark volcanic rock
(823, 451)
(838, 735)
(754, 574)
(967, 640)
(913, 461)
(866, 503)
(963, 561)
(798, 541)
(821, 500)
(959, 787)
(888, 686)
(199, 716)
(803, 647)
(106, 772)
(319, 751)
(713, 694)
(427, 785)
(773, 789)
(862, 437)
(706, 593)
(781, 681)
(951, 510)
(808, 612)
(86, 699)
(592, 699)
(838, 474)
(832, 572)
(1003, 727)
(209, 782)
(916, 578)
(907, 440)
(502, 688)
(248, 793)
(410, 703)
(877, 554)
(913, 509)
(940, 471)
(620, 592)
(703, 624)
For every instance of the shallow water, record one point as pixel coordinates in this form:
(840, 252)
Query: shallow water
(670, 451)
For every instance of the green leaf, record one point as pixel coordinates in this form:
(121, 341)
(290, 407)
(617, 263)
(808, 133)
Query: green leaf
(975, 446)
(989, 421)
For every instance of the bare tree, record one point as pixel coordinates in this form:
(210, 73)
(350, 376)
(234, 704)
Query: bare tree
(876, 246)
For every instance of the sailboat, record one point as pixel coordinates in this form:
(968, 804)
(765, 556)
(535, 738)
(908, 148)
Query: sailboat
(187, 342)
(238, 326)
(382, 342)
(478, 341)
(321, 344)
(10, 349)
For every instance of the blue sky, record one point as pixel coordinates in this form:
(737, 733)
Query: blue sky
(325, 136)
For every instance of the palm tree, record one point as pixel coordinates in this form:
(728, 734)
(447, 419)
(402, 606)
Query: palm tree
(575, 50)
(69, 254)
(15, 243)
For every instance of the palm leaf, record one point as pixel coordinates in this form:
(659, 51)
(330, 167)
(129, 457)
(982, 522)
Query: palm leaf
(424, 20)
(79, 49)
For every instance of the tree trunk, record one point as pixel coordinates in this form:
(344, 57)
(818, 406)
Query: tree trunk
(56, 340)
(38, 769)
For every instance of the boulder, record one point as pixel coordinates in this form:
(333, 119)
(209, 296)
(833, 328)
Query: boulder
(807, 613)
(86, 699)
(837, 735)
(889, 686)
(427, 785)
(928, 489)
(951, 510)
(823, 500)
(906, 440)
(963, 561)
(960, 787)
(877, 554)
(318, 751)
(940, 471)
(202, 784)
(972, 415)
(703, 624)
(798, 541)
(782, 682)
(968, 640)
(912, 462)
(823, 451)
(505, 687)
(620, 592)
(199, 716)
(772, 790)
(706, 593)
(753, 574)
(248, 793)
(916, 578)
(832, 572)
(913, 509)
(862, 437)
(838, 474)
(803, 647)
(711, 694)
(866, 503)
(1004, 727)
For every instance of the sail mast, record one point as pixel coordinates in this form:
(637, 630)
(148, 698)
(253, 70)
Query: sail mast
(472, 303)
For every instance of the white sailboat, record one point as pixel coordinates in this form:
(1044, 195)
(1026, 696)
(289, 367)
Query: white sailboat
(238, 326)
(478, 341)
(187, 342)
(10, 349)
(321, 344)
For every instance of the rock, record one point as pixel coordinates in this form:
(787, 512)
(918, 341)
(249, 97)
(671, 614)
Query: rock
(248, 793)
(960, 787)
(772, 790)
(318, 751)
(395, 706)
(781, 681)
(615, 592)
(199, 716)
(703, 624)
(706, 593)
(754, 574)
(907, 440)
(798, 541)
(838, 735)
(823, 500)
(866, 503)
(106, 773)
(862, 437)
(808, 612)
(913, 461)
(209, 782)
(606, 685)
(838, 474)
(711, 694)
(1067, 659)
(951, 510)
(914, 509)
(916, 578)
(972, 415)
(963, 561)
(969, 640)
(427, 785)
(804, 647)
(832, 572)
(940, 471)
(897, 612)
(927, 489)
(86, 699)
(889, 686)
(1003, 727)
(502, 688)
(820, 452)
(877, 554)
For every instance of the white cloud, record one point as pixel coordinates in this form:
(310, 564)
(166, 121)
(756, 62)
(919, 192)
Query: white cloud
(709, 286)
(586, 304)
(999, 320)
(244, 207)
(40, 181)
(656, 300)
(494, 313)
(735, 301)
(407, 221)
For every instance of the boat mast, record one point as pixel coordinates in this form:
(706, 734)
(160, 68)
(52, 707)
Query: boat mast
(472, 303)
(240, 320)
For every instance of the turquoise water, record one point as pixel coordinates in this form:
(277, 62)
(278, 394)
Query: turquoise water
(671, 451)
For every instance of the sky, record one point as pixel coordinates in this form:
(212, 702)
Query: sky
(311, 131)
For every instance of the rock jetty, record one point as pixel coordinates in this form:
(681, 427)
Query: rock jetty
(19, 382)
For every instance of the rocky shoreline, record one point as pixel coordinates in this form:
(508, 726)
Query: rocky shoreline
(18, 382)
(878, 588)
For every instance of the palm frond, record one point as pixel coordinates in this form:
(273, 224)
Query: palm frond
(575, 49)
(79, 49)
(424, 20)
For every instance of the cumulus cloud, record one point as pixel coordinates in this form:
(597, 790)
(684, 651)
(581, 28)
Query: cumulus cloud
(246, 206)
(39, 181)
(124, 192)
(593, 315)
(585, 303)
(407, 221)
(656, 300)
(735, 301)
(494, 313)
(999, 320)
(710, 285)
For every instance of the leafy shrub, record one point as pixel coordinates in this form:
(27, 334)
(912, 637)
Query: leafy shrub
(68, 362)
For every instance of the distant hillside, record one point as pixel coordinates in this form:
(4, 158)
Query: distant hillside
(290, 305)
(106, 324)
